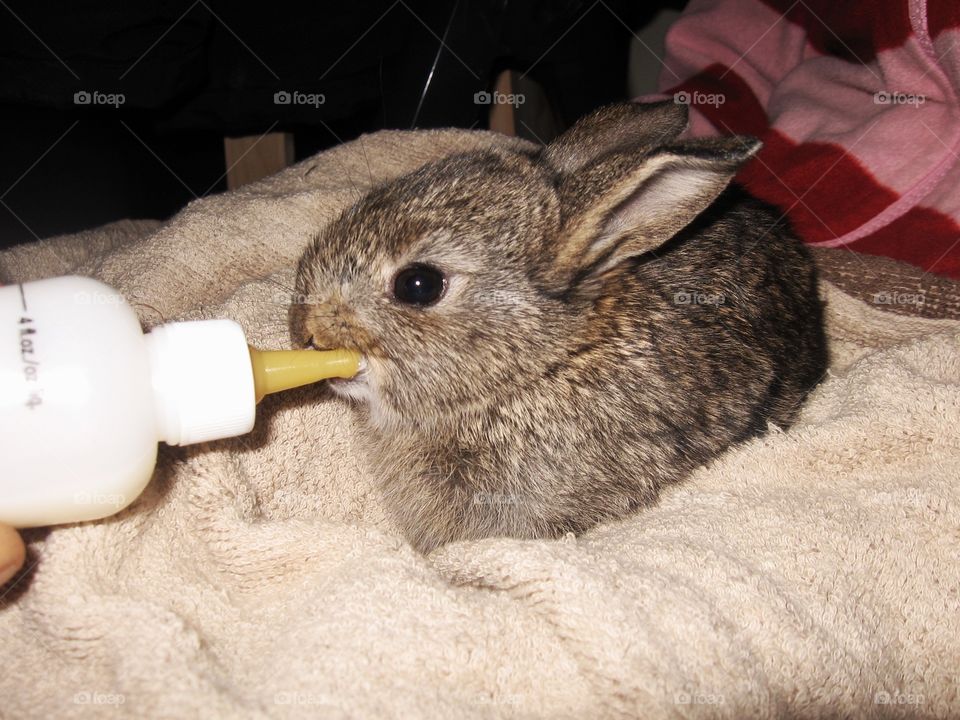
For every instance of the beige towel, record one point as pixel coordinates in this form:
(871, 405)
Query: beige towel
(814, 573)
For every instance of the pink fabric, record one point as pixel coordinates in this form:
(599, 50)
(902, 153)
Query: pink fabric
(857, 104)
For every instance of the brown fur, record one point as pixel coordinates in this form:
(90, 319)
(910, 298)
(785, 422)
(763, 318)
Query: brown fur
(562, 380)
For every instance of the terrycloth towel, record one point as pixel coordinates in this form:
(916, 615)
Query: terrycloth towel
(809, 574)
(858, 106)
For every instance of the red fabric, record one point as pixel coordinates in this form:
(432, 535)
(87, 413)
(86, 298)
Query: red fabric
(942, 16)
(855, 30)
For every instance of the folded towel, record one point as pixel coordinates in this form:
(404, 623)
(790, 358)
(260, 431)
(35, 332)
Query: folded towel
(811, 573)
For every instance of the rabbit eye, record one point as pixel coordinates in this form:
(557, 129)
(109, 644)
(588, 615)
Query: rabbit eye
(419, 285)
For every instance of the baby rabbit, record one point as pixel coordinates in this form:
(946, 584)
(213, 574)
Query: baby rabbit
(551, 336)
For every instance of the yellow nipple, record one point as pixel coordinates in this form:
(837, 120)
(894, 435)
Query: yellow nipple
(276, 370)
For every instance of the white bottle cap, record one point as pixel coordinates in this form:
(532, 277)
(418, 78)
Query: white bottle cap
(202, 381)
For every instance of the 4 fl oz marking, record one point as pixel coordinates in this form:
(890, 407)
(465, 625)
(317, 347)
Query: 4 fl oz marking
(28, 357)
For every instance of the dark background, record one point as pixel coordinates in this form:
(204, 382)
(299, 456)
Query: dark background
(194, 71)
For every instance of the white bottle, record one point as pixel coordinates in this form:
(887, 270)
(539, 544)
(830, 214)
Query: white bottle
(85, 395)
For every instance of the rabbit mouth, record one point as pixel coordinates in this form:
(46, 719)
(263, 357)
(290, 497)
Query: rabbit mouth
(356, 388)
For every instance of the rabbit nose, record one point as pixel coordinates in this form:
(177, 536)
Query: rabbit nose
(334, 325)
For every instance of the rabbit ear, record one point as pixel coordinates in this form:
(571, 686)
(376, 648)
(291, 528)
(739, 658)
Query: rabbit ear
(615, 127)
(629, 203)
